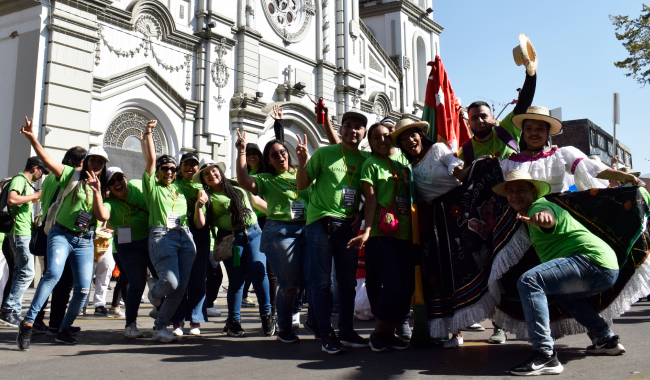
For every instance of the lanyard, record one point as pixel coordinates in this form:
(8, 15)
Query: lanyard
(494, 145)
(124, 217)
(395, 176)
(295, 193)
(174, 196)
(345, 164)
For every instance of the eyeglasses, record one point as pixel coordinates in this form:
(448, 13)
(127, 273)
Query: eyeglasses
(278, 154)
(116, 178)
(166, 169)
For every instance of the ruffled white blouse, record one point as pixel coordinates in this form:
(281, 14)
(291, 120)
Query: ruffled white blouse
(433, 176)
(561, 168)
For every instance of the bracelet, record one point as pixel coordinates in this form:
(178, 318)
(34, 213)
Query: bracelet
(146, 133)
(241, 154)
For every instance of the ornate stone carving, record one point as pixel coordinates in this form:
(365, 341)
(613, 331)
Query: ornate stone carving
(130, 124)
(219, 71)
(374, 64)
(290, 19)
(407, 63)
(182, 12)
(250, 10)
(378, 110)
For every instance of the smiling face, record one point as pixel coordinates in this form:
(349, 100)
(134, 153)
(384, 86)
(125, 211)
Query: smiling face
(521, 195)
(410, 142)
(117, 186)
(279, 158)
(380, 141)
(353, 131)
(253, 159)
(481, 121)
(535, 134)
(166, 174)
(211, 176)
(96, 164)
(189, 168)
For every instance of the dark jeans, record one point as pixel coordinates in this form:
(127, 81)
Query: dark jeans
(192, 306)
(135, 260)
(212, 284)
(122, 283)
(60, 298)
(390, 278)
(320, 251)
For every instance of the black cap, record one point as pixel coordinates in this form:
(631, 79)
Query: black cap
(190, 156)
(354, 115)
(35, 161)
(255, 147)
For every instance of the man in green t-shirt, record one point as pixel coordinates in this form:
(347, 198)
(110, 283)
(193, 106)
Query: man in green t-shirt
(575, 265)
(333, 218)
(19, 200)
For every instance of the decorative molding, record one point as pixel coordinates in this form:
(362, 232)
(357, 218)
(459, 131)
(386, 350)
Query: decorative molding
(283, 14)
(286, 52)
(380, 50)
(374, 64)
(413, 11)
(250, 10)
(8, 7)
(130, 124)
(407, 63)
(181, 12)
(219, 71)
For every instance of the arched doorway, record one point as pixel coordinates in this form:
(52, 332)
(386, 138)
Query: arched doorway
(422, 69)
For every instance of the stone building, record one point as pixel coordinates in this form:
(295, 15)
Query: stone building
(592, 140)
(91, 72)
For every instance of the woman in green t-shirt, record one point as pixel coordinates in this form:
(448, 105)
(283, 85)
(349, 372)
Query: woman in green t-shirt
(283, 240)
(390, 267)
(80, 198)
(231, 212)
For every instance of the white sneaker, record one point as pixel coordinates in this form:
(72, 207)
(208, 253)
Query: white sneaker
(178, 329)
(195, 329)
(295, 321)
(453, 342)
(474, 327)
(213, 312)
(131, 331)
(115, 313)
(150, 284)
(163, 335)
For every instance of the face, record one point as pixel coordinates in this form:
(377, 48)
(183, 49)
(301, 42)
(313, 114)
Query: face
(253, 159)
(166, 173)
(96, 164)
(411, 142)
(521, 195)
(189, 168)
(481, 121)
(535, 134)
(38, 173)
(353, 131)
(391, 127)
(211, 176)
(117, 185)
(279, 158)
(380, 141)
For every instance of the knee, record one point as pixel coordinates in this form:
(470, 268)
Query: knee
(168, 283)
(527, 281)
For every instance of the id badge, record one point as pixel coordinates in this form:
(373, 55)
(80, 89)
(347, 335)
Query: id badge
(83, 219)
(297, 210)
(402, 205)
(123, 235)
(349, 197)
(173, 221)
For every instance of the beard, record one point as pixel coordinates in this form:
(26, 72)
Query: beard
(483, 133)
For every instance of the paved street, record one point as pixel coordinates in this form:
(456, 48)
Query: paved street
(103, 352)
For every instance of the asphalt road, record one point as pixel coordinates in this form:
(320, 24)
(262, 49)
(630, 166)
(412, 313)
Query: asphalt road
(103, 352)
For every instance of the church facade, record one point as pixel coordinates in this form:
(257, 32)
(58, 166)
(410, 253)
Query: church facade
(91, 72)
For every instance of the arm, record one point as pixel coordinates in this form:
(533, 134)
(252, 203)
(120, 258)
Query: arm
(199, 215)
(259, 203)
(526, 94)
(543, 219)
(14, 199)
(617, 175)
(332, 136)
(243, 178)
(278, 125)
(302, 177)
(100, 212)
(55, 167)
(148, 151)
(369, 192)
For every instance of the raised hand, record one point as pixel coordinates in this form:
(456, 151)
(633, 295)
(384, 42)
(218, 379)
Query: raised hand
(542, 219)
(151, 125)
(301, 150)
(241, 142)
(93, 182)
(202, 199)
(28, 129)
(276, 114)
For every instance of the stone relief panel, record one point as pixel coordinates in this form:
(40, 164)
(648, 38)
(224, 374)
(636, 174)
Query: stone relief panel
(124, 131)
(290, 19)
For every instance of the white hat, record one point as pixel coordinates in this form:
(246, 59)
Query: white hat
(112, 171)
(98, 151)
(543, 188)
(205, 164)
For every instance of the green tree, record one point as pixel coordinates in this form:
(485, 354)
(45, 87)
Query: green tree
(636, 39)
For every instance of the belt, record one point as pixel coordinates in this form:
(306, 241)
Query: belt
(80, 234)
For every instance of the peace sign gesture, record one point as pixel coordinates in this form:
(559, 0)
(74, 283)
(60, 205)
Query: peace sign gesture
(241, 142)
(28, 129)
(301, 150)
(93, 182)
(276, 114)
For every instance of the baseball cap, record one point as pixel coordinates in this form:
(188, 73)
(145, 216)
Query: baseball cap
(190, 156)
(112, 171)
(355, 115)
(35, 161)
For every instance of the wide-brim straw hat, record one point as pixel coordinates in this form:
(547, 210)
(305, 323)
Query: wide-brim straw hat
(628, 170)
(525, 54)
(207, 163)
(538, 113)
(543, 188)
(406, 124)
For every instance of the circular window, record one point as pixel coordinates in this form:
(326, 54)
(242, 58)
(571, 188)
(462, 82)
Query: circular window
(289, 18)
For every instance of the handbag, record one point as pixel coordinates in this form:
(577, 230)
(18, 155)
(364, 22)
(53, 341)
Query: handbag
(223, 247)
(388, 223)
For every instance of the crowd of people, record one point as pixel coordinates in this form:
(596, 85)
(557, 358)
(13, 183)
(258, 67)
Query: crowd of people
(294, 229)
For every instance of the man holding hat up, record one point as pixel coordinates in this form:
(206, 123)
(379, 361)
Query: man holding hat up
(575, 265)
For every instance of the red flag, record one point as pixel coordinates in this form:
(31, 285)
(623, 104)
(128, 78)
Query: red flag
(442, 109)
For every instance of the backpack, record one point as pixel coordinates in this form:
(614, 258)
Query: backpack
(7, 220)
(54, 207)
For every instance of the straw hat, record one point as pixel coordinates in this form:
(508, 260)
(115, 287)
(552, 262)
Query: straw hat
(405, 124)
(543, 188)
(205, 164)
(525, 54)
(538, 113)
(628, 170)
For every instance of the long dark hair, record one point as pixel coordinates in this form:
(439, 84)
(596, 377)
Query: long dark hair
(426, 142)
(102, 180)
(267, 157)
(262, 166)
(238, 210)
(522, 141)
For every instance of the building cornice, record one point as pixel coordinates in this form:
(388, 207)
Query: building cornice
(414, 13)
(380, 50)
(287, 52)
(7, 7)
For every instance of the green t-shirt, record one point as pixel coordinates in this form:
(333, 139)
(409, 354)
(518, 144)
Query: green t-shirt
(69, 211)
(165, 200)
(328, 168)
(48, 188)
(378, 173)
(24, 212)
(494, 146)
(279, 191)
(257, 212)
(133, 213)
(400, 157)
(2, 240)
(568, 237)
(221, 210)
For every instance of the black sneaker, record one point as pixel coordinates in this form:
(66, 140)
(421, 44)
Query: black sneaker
(312, 328)
(24, 337)
(288, 336)
(226, 326)
(64, 337)
(352, 339)
(268, 325)
(397, 343)
(101, 310)
(332, 344)
(235, 330)
(53, 331)
(611, 347)
(538, 364)
(378, 343)
(39, 328)
(10, 319)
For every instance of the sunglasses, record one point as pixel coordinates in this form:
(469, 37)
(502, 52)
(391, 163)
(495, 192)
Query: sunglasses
(278, 154)
(115, 179)
(166, 169)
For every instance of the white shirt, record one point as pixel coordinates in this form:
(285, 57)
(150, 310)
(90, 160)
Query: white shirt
(433, 176)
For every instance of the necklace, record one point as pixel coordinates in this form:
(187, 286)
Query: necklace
(494, 146)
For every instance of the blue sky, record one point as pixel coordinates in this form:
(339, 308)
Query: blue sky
(577, 48)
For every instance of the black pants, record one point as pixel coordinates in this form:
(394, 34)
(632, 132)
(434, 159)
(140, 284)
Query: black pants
(9, 256)
(212, 284)
(122, 282)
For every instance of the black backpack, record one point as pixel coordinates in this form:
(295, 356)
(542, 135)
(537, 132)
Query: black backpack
(6, 219)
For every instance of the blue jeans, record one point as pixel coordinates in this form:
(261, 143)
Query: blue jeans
(135, 261)
(390, 278)
(285, 246)
(253, 264)
(23, 272)
(571, 279)
(62, 243)
(172, 254)
(320, 251)
(192, 306)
